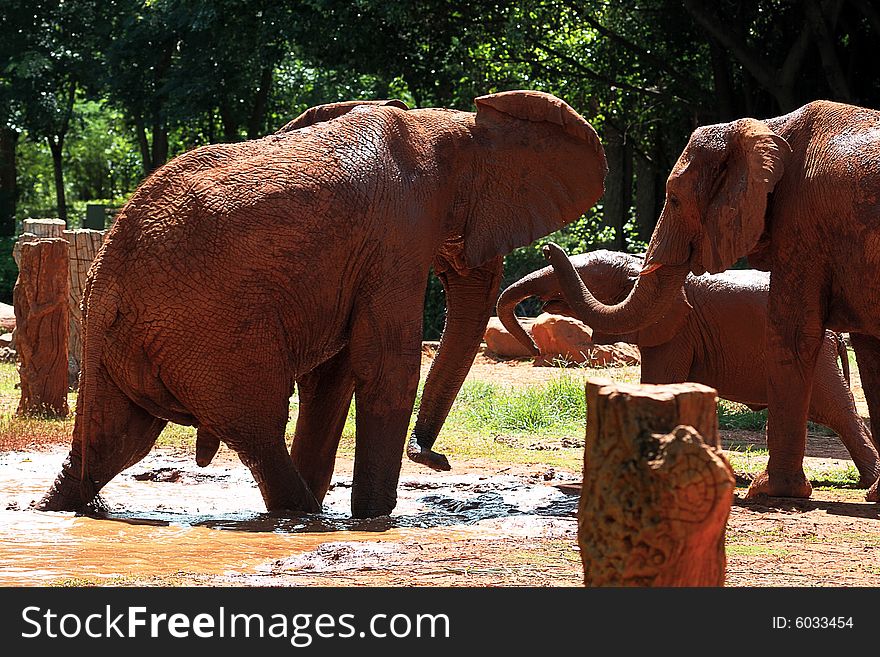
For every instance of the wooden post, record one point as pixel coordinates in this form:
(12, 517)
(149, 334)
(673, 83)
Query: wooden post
(41, 318)
(657, 488)
(32, 229)
(43, 227)
(84, 245)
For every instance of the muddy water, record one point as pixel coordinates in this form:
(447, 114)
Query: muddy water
(165, 516)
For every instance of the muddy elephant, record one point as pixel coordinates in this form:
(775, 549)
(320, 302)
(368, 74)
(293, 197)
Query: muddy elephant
(712, 334)
(798, 194)
(238, 269)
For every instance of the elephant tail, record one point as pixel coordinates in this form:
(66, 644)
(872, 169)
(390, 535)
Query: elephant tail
(100, 303)
(844, 355)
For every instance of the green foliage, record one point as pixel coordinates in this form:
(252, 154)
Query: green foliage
(738, 416)
(118, 87)
(8, 269)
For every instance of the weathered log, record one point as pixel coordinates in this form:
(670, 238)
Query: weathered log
(41, 326)
(43, 227)
(37, 228)
(657, 489)
(84, 246)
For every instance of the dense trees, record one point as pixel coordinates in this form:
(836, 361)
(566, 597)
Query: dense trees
(95, 94)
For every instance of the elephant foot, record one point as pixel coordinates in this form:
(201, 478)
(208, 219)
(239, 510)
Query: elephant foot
(868, 481)
(779, 485)
(873, 494)
(67, 492)
(425, 456)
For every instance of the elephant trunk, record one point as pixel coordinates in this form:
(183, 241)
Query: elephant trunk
(535, 284)
(652, 295)
(469, 303)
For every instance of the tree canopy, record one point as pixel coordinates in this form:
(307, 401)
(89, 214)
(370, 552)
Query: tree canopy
(95, 94)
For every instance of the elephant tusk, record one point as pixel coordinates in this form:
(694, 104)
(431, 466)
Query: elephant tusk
(654, 266)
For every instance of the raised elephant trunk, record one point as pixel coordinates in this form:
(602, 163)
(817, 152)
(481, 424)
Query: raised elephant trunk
(657, 288)
(529, 286)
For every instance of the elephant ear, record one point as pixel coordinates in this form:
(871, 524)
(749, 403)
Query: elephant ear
(735, 215)
(330, 111)
(538, 165)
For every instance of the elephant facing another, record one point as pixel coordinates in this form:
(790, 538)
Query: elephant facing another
(713, 334)
(238, 270)
(798, 195)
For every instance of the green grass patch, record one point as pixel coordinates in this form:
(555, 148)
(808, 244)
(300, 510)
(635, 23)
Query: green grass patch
(740, 417)
(557, 407)
(832, 476)
(747, 460)
(734, 550)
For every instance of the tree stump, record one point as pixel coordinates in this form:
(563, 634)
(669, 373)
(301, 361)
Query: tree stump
(84, 245)
(657, 488)
(43, 227)
(41, 325)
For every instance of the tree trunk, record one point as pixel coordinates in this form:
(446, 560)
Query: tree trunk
(144, 145)
(618, 183)
(822, 27)
(41, 326)
(160, 145)
(647, 209)
(56, 146)
(261, 98)
(230, 127)
(722, 85)
(657, 488)
(8, 174)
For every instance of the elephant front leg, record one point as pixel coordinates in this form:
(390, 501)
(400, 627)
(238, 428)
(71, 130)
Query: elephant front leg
(385, 356)
(792, 349)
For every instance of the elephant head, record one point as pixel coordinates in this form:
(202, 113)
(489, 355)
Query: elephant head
(610, 277)
(716, 202)
(716, 197)
(525, 164)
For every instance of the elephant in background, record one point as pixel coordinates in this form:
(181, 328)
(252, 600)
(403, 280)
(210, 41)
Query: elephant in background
(712, 334)
(798, 194)
(309, 251)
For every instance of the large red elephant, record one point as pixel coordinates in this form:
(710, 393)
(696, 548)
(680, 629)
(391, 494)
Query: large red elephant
(800, 195)
(238, 269)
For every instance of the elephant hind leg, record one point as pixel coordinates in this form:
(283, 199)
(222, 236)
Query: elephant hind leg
(118, 433)
(867, 350)
(324, 399)
(832, 405)
(257, 436)
(282, 487)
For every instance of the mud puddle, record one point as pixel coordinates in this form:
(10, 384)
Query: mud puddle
(167, 518)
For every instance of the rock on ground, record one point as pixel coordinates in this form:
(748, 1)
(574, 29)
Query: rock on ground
(561, 340)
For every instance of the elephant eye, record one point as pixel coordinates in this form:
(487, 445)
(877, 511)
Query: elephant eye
(673, 200)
